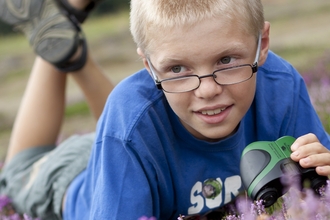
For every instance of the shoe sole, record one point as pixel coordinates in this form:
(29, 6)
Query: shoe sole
(51, 34)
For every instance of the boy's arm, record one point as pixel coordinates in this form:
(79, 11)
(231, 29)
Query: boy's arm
(120, 187)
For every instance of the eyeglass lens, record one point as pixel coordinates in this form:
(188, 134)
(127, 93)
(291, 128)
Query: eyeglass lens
(222, 77)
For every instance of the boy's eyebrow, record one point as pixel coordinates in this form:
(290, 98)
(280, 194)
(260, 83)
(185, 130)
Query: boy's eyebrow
(234, 48)
(166, 61)
(237, 47)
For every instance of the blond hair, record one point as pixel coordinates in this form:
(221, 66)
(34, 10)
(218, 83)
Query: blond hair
(149, 16)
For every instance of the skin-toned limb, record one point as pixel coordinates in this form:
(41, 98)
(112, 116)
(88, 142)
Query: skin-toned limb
(40, 115)
(309, 152)
(79, 4)
(95, 86)
(91, 79)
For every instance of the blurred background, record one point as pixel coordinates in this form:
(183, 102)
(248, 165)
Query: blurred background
(300, 32)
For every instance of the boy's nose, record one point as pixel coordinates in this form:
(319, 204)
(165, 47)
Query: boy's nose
(208, 88)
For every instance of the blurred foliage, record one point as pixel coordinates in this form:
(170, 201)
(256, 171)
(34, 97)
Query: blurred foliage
(5, 29)
(105, 7)
(80, 108)
(317, 80)
(110, 6)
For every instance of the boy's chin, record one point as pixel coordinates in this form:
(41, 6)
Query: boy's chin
(214, 137)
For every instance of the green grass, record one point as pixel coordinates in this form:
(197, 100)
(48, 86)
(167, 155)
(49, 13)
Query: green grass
(13, 76)
(295, 9)
(299, 30)
(104, 26)
(80, 108)
(302, 57)
(15, 44)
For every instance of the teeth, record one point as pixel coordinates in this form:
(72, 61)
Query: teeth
(212, 112)
(217, 111)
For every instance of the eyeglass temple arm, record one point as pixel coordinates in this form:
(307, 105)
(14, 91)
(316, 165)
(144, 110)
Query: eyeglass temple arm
(158, 84)
(256, 60)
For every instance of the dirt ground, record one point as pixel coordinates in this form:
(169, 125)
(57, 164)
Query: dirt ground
(300, 32)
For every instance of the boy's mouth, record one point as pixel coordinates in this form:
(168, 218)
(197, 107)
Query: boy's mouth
(213, 112)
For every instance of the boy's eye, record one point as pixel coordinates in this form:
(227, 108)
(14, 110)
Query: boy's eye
(225, 60)
(177, 69)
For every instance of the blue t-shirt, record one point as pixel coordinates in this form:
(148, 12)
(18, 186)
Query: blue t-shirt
(145, 163)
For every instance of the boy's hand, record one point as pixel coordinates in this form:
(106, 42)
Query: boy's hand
(309, 152)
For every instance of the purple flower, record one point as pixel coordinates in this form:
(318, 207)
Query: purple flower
(15, 217)
(317, 80)
(4, 201)
(259, 207)
(231, 217)
(142, 218)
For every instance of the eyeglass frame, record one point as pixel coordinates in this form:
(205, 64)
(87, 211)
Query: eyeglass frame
(254, 68)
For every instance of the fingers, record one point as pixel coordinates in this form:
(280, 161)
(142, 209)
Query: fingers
(323, 170)
(314, 160)
(303, 140)
(306, 149)
(309, 152)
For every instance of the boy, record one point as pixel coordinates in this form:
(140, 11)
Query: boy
(176, 149)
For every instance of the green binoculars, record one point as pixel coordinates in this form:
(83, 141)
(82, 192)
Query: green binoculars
(264, 165)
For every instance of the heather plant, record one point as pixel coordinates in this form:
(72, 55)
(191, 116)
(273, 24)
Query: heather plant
(318, 82)
(7, 211)
(296, 204)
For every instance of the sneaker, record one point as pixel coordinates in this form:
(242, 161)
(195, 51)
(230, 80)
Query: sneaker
(53, 36)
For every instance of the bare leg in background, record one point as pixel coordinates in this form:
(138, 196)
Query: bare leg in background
(41, 113)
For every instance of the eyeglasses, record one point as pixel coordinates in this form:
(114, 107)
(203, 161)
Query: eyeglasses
(226, 76)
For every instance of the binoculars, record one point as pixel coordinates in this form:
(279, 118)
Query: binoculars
(264, 165)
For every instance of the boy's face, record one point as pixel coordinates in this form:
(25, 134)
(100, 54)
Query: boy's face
(210, 112)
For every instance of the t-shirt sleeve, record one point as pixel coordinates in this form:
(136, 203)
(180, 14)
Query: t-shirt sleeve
(121, 189)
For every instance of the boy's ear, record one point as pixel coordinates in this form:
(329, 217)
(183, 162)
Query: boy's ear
(264, 43)
(144, 59)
